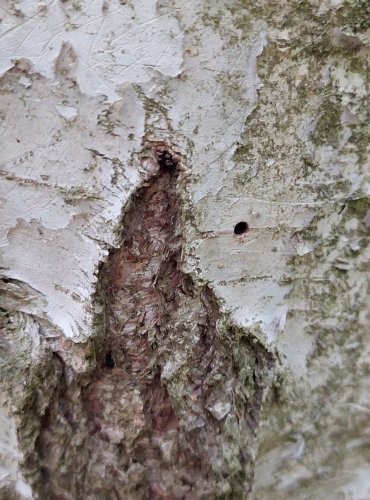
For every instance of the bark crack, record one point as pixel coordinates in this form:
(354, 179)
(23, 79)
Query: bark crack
(171, 410)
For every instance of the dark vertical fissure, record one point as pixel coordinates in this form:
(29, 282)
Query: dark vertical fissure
(171, 408)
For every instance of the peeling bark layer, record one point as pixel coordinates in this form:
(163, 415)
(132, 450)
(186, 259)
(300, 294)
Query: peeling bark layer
(171, 409)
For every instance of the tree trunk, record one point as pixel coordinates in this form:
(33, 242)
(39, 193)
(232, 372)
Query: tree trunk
(185, 250)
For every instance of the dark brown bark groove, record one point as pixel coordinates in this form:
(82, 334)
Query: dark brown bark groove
(171, 410)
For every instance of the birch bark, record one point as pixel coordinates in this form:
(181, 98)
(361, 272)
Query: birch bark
(184, 249)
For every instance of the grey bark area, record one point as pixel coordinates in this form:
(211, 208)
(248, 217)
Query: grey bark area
(171, 409)
(184, 237)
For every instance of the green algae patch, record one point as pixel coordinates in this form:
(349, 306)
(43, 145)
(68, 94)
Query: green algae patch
(355, 14)
(328, 123)
(359, 207)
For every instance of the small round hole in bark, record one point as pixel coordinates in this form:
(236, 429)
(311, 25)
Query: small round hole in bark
(109, 361)
(241, 228)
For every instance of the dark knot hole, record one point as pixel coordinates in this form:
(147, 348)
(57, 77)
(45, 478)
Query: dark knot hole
(241, 228)
(109, 361)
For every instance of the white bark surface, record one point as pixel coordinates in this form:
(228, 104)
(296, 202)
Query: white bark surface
(267, 106)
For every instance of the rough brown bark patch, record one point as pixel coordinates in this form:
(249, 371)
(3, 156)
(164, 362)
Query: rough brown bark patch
(170, 411)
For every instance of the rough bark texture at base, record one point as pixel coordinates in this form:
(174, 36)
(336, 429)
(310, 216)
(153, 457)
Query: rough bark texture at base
(169, 391)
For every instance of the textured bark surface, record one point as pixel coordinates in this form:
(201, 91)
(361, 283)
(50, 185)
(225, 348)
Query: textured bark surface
(147, 350)
(169, 391)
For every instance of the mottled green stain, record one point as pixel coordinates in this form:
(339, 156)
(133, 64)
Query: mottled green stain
(310, 41)
(359, 207)
(328, 123)
(360, 65)
(355, 14)
(212, 20)
(360, 137)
